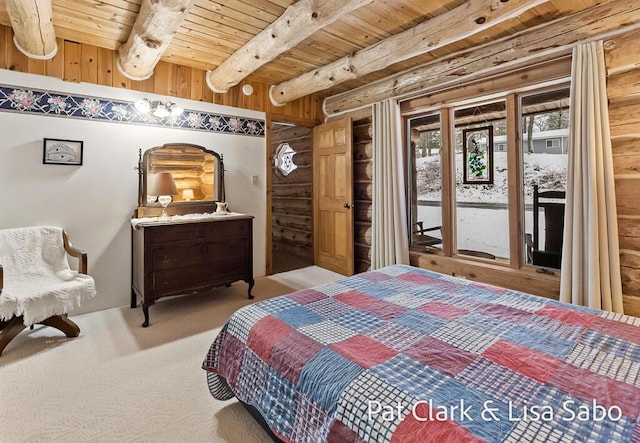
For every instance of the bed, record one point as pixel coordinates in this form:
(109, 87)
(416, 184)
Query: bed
(403, 354)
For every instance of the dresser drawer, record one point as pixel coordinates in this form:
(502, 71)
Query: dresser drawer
(181, 280)
(180, 255)
(228, 229)
(188, 231)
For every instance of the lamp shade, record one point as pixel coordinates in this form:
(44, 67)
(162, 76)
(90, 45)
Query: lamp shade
(164, 185)
(187, 194)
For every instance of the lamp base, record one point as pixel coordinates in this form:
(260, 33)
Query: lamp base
(164, 200)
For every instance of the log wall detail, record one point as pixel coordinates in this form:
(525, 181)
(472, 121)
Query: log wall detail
(623, 90)
(362, 192)
(291, 200)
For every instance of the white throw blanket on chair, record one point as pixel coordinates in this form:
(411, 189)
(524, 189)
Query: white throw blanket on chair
(38, 281)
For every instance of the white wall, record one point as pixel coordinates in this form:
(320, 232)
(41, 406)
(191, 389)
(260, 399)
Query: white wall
(94, 202)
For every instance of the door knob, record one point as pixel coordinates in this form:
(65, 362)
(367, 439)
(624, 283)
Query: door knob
(347, 206)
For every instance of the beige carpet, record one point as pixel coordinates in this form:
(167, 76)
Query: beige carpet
(119, 382)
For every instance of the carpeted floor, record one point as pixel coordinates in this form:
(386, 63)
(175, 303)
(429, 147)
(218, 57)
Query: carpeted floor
(119, 382)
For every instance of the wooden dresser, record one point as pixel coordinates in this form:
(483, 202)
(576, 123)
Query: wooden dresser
(174, 258)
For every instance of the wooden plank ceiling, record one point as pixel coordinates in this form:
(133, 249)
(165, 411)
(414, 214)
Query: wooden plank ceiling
(212, 31)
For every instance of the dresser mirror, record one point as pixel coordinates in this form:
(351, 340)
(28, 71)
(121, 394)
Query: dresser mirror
(197, 172)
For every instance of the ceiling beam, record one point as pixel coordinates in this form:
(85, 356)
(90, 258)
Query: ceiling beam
(155, 26)
(32, 24)
(470, 18)
(542, 42)
(298, 22)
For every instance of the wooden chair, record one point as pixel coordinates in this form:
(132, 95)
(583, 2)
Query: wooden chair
(552, 203)
(419, 238)
(18, 310)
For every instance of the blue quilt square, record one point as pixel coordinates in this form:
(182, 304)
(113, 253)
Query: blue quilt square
(359, 321)
(329, 308)
(501, 383)
(299, 316)
(325, 376)
(479, 292)
(278, 404)
(278, 304)
(254, 373)
(420, 322)
(483, 415)
(540, 341)
(410, 376)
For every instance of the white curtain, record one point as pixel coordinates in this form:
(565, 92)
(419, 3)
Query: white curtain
(590, 260)
(389, 238)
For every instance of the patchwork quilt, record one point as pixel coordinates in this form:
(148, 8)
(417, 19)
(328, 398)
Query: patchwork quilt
(402, 354)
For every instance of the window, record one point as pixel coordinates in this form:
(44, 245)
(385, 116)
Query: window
(426, 189)
(481, 204)
(553, 143)
(488, 215)
(544, 174)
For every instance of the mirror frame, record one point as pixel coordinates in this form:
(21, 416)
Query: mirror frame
(180, 207)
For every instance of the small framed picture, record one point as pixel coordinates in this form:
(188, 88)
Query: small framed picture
(62, 152)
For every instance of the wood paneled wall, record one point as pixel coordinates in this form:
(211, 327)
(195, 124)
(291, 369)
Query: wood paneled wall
(76, 62)
(362, 192)
(291, 201)
(623, 90)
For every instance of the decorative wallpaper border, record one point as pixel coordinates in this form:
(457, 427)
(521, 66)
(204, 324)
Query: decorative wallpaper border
(57, 104)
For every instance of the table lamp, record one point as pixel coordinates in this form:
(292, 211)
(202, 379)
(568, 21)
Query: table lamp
(187, 194)
(165, 188)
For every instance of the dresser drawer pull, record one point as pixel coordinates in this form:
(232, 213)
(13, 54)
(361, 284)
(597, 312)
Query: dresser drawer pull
(204, 249)
(165, 259)
(166, 281)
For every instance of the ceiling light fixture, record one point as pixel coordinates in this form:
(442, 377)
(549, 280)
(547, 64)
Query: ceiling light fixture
(158, 109)
(247, 89)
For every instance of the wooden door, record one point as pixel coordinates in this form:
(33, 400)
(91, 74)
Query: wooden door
(333, 196)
